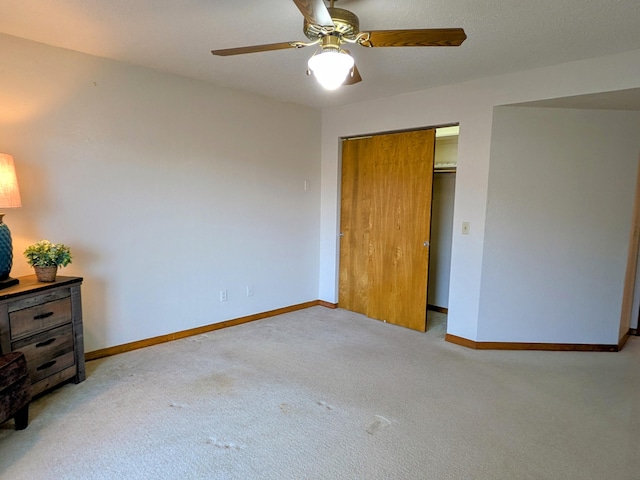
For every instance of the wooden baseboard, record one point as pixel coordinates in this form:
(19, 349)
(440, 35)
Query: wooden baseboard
(438, 309)
(634, 331)
(322, 303)
(556, 347)
(127, 347)
(623, 341)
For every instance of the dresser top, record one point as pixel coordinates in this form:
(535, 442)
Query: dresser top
(30, 284)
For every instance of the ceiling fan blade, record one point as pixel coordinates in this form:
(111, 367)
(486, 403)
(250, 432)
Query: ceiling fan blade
(315, 12)
(354, 76)
(255, 48)
(429, 37)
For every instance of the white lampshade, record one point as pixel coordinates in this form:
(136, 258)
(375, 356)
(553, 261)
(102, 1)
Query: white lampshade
(9, 192)
(331, 68)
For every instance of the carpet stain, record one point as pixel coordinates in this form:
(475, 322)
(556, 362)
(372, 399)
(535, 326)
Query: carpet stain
(325, 405)
(216, 383)
(224, 445)
(199, 338)
(379, 424)
(285, 408)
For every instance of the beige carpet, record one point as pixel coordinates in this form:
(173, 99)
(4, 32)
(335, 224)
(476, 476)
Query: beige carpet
(328, 394)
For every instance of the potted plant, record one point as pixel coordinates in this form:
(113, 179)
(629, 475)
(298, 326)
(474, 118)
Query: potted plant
(46, 257)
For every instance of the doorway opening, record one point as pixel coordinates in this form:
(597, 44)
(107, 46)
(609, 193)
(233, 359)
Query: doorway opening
(444, 185)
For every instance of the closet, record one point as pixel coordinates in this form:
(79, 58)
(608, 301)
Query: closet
(386, 247)
(444, 185)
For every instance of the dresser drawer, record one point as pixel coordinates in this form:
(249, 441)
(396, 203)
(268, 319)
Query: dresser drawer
(39, 317)
(47, 352)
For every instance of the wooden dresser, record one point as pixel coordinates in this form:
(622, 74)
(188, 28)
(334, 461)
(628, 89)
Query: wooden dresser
(44, 321)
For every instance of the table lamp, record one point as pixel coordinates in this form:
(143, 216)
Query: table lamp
(9, 198)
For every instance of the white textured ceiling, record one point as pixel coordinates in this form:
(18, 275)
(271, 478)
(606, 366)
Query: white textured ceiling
(177, 35)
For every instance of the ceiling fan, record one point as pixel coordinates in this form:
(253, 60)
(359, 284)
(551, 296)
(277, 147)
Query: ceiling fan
(331, 28)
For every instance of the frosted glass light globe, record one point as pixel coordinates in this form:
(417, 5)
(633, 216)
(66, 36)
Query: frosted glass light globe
(331, 68)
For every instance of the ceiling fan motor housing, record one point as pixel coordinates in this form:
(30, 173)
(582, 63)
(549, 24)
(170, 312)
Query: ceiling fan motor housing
(346, 24)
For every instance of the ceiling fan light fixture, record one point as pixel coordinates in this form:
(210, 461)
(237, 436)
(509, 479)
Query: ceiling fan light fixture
(331, 67)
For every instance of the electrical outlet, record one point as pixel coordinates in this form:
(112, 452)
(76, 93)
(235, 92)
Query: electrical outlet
(249, 290)
(224, 296)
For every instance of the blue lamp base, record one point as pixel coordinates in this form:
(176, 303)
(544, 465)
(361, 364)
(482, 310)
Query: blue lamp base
(6, 256)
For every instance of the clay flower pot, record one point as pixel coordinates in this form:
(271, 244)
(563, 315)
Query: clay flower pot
(46, 274)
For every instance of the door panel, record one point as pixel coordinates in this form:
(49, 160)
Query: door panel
(355, 225)
(385, 221)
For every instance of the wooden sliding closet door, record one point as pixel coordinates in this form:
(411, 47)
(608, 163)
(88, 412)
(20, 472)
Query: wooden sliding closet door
(385, 225)
(355, 224)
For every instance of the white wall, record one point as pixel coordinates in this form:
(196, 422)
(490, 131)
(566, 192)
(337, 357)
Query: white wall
(561, 189)
(471, 105)
(169, 190)
(166, 189)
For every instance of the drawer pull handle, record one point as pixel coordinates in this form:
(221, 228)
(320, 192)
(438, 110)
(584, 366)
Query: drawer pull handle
(46, 342)
(43, 315)
(44, 366)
